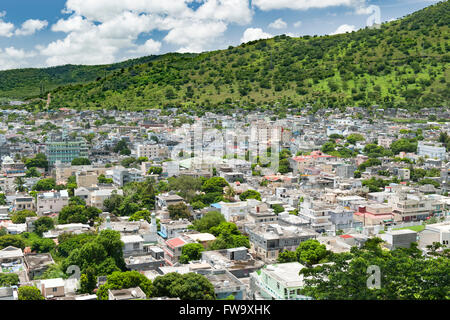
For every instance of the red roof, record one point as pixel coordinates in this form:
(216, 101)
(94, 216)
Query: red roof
(176, 242)
(346, 236)
(313, 155)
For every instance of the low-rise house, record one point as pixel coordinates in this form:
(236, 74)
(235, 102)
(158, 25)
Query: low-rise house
(436, 232)
(165, 200)
(37, 263)
(133, 245)
(399, 238)
(268, 240)
(171, 228)
(236, 260)
(225, 284)
(278, 282)
(9, 293)
(127, 294)
(52, 288)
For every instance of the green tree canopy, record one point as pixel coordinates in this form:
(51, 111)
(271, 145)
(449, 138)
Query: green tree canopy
(191, 251)
(124, 280)
(30, 293)
(250, 194)
(81, 162)
(20, 216)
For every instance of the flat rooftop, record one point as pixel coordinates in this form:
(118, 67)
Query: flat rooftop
(286, 273)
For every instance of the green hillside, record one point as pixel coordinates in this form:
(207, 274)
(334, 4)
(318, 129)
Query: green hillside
(402, 64)
(28, 83)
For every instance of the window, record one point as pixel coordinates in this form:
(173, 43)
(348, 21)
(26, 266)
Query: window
(54, 289)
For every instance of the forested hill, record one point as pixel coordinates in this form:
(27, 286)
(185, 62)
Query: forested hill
(404, 63)
(31, 82)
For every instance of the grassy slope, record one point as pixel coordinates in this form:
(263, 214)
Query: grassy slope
(404, 63)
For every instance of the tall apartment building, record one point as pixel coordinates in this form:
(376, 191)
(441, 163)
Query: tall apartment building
(64, 149)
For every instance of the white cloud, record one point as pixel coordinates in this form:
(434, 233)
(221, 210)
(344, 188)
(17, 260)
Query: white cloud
(252, 34)
(149, 47)
(267, 5)
(278, 24)
(102, 30)
(298, 24)
(6, 28)
(75, 23)
(344, 28)
(11, 58)
(194, 36)
(30, 26)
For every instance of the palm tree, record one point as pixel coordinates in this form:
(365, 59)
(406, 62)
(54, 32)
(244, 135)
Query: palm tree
(19, 184)
(230, 193)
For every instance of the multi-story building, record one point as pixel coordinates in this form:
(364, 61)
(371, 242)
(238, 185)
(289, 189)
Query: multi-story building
(151, 151)
(278, 282)
(52, 202)
(268, 240)
(410, 206)
(431, 150)
(64, 149)
(317, 213)
(122, 176)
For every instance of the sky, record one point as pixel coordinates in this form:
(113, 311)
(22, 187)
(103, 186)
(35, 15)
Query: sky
(47, 33)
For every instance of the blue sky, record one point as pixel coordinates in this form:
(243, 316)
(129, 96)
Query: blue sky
(42, 33)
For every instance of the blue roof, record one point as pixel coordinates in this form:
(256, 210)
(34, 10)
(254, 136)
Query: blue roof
(216, 205)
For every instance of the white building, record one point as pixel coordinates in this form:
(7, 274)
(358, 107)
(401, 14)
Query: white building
(431, 150)
(52, 202)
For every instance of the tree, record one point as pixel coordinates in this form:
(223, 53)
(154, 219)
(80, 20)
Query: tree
(189, 286)
(21, 216)
(311, 252)
(404, 145)
(76, 201)
(155, 170)
(124, 280)
(102, 179)
(43, 224)
(2, 199)
(30, 293)
(354, 137)
(328, 147)
(8, 279)
(287, 256)
(45, 185)
(250, 194)
(11, 240)
(141, 215)
(406, 274)
(110, 240)
(42, 245)
(32, 173)
(39, 161)
(277, 208)
(19, 182)
(214, 184)
(80, 162)
(191, 251)
(179, 211)
(88, 281)
(73, 214)
(208, 221)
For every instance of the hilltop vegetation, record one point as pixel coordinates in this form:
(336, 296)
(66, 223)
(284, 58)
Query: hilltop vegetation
(403, 64)
(28, 83)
